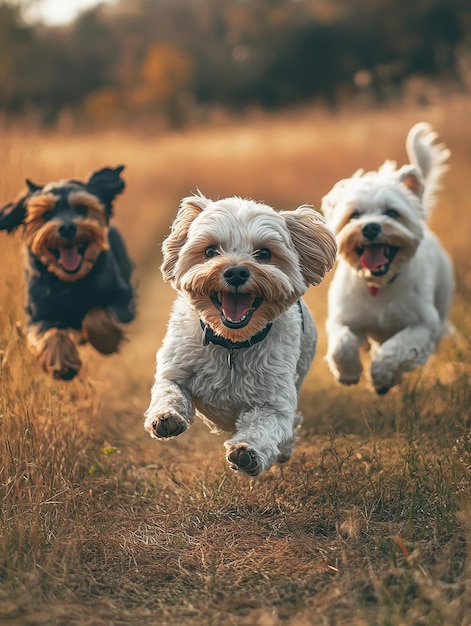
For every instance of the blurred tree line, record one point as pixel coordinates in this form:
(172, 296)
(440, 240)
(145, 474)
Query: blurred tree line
(170, 57)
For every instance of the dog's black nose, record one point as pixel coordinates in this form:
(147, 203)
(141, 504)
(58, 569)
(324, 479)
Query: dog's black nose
(67, 230)
(371, 230)
(236, 275)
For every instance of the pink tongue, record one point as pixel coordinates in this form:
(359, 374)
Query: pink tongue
(373, 258)
(70, 258)
(236, 305)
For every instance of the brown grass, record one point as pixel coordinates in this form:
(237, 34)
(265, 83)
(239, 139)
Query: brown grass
(370, 522)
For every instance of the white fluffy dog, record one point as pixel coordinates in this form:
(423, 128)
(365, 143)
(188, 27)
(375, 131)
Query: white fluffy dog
(393, 285)
(239, 341)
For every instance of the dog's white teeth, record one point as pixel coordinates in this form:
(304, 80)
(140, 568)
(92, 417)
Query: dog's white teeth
(387, 250)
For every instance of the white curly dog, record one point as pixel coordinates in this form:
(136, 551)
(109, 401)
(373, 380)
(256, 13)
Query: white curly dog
(240, 340)
(393, 285)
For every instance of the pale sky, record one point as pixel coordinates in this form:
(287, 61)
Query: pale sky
(56, 12)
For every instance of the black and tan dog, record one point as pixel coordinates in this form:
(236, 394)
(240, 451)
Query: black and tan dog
(78, 271)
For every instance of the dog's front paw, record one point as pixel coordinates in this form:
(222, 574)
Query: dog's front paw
(58, 355)
(102, 330)
(165, 426)
(345, 364)
(241, 458)
(383, 377)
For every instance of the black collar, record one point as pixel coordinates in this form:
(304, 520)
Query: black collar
(209, 336)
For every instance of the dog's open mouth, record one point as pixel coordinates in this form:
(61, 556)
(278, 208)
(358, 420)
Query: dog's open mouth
(377, 258)
(236, 308)
(70, 257)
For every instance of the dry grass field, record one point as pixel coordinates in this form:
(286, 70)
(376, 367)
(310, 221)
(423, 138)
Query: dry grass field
(370, 522)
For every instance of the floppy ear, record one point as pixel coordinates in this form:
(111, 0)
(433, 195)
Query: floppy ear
(13, 213)
(314, 242)
(189, 210)
(106, 184)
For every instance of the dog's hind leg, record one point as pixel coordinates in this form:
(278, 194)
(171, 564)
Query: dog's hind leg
(343, 356)
(404, 352)
(55, 350)
(286, 450)
(102, 330)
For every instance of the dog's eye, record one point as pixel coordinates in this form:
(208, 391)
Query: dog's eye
(392, 213)
(81, 209)
(355, 215)
(211, 252)
(47, 215)
(263, 254)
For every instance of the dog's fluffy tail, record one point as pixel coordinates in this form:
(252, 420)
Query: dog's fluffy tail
(430, 156)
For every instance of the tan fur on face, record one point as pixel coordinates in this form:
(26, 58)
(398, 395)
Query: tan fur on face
(276, 294)
(350, 238)
(37, 206)
(42, 237)
(276, 281)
